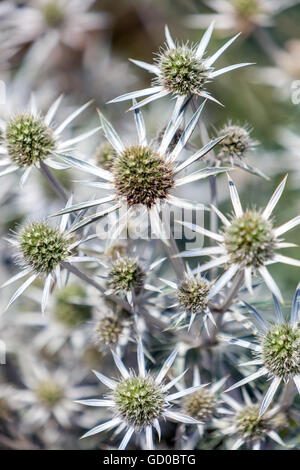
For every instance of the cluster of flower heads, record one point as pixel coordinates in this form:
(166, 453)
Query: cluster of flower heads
(125, 293)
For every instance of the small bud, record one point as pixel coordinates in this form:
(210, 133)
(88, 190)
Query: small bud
(125, 275)
(192, 294)
(200, 405)
(181, 72)
(107, 331)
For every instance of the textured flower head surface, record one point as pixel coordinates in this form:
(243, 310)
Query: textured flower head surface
(237, 142)
(249, 242)
(139, 401)
(204, 404)
(143, 176)
(277, 349)
(244, 422)
(111, 330)
(192, 296)
(29, 139)
(239, 15)
(181, 70)
(43, 250)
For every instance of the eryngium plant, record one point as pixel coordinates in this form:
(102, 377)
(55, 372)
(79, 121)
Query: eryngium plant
(118, 274)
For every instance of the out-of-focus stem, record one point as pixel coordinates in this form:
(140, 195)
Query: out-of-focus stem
(172, 250)
(45, 170)
(84, 277)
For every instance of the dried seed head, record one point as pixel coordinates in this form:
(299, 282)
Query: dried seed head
(247, 7)
(68, 309)
(181, 72)
(236, 143)
(125, 275)
(108, 331)
(192, 294)
(139, 401)
(200, 405)
(42, 247)
(28, 140)
(49, 393)
(105, 155)
(281, 350)
(141, 176)
(53, 12)
(249, 239)
(249, 425)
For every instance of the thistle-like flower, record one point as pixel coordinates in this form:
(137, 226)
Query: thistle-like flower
(41, 251)
(203, 404)
(244, 422)
(249, 242)
(182, 71)
(29, 139)
(235, 146)
(277, 349)
(49, 394)
(139, 401)
(110, 331)
(239, 15)
(143, 176)
(192, 295)
(54, 21)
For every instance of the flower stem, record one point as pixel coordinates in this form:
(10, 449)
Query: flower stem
(53, 181)
(92, 282)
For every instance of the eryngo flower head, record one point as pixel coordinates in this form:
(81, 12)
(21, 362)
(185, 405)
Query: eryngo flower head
(204, 403)
(70, 20)
(30, 139)
(139, 400)
(181, 70)
(201, 405)
(277, 349)
(249, 242)
(108, 330)
(126, 275)
(236, 143)
(143, 176)
(42, 247)
(239, 15)
(49, 394)
(245, 422)
(192, 295)
(42, 250)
